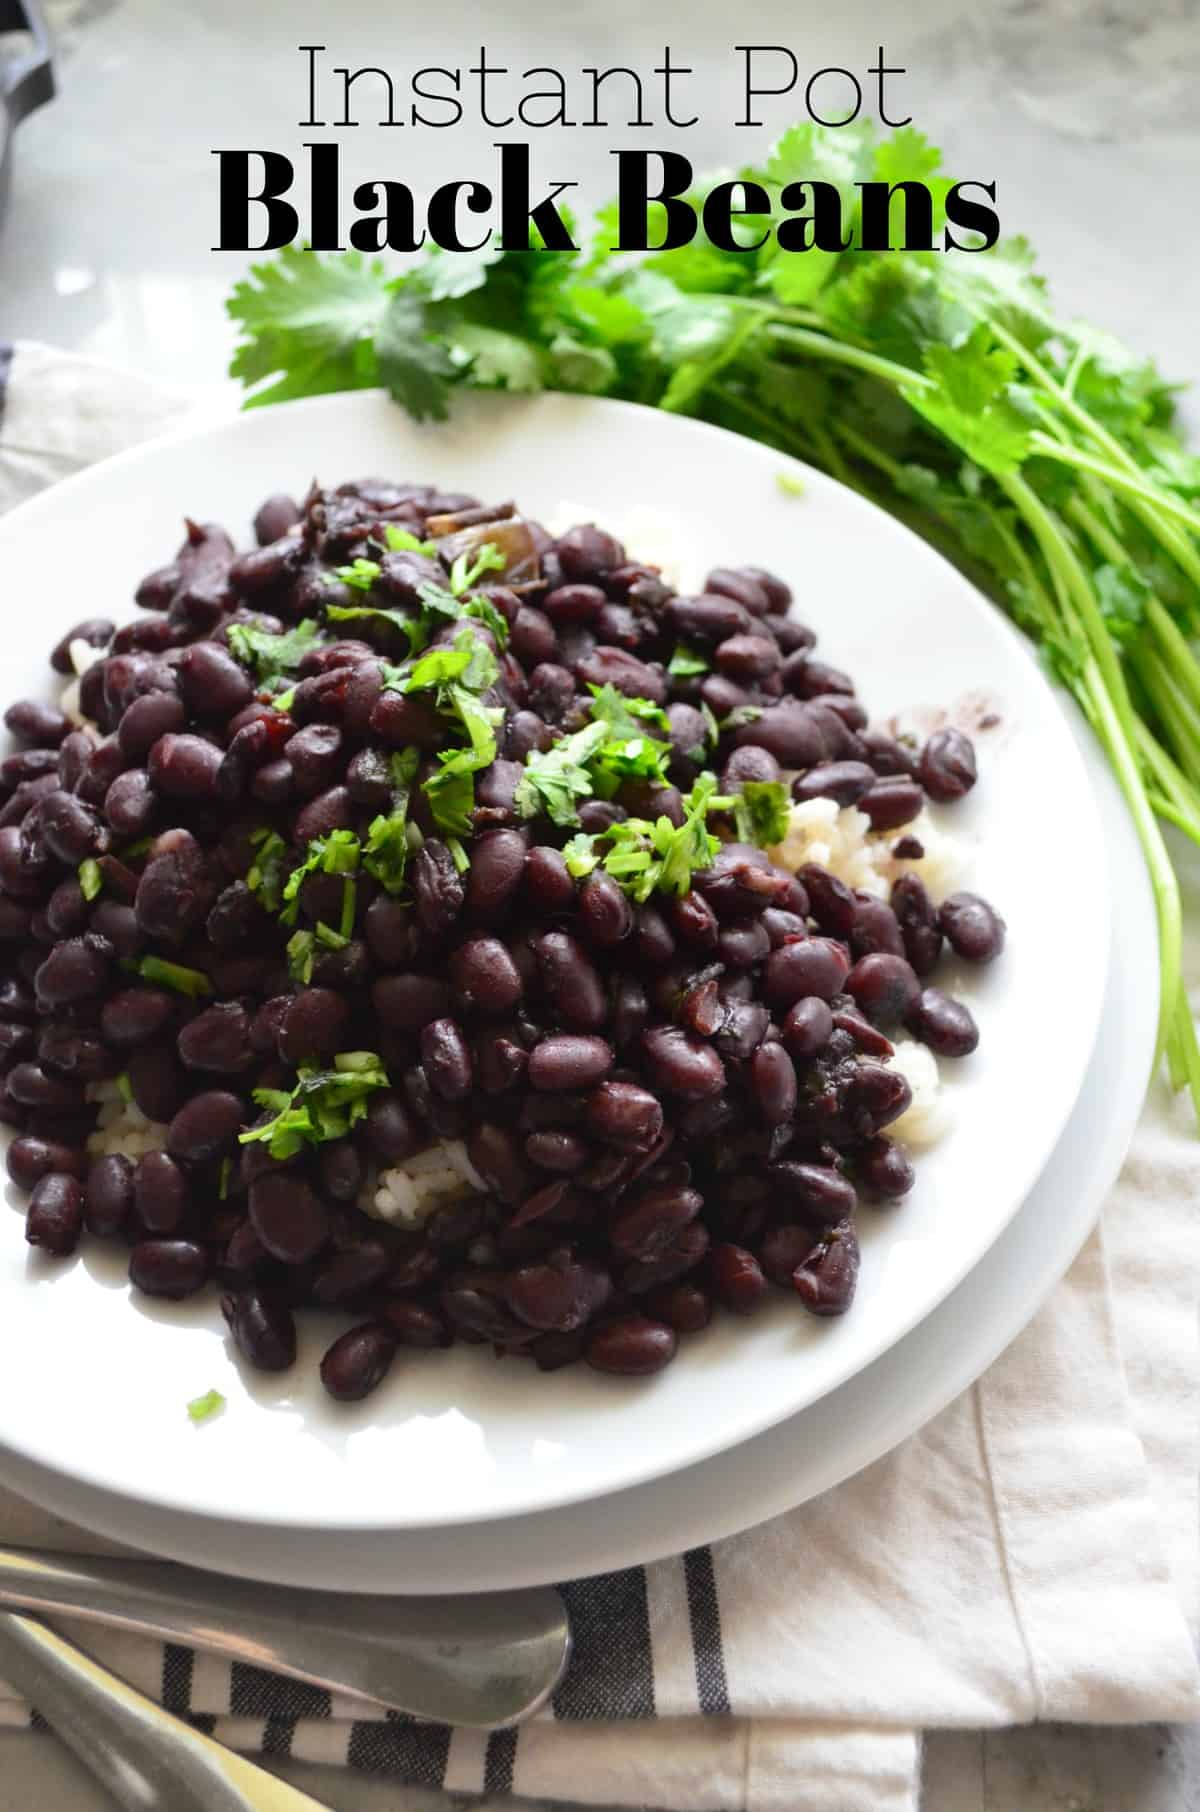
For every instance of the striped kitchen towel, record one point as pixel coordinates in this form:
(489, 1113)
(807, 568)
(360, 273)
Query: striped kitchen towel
(1031, 1554)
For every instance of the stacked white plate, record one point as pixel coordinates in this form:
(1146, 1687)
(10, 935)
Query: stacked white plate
(466, 1473)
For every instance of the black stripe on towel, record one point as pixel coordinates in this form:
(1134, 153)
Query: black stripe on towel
(255, 1693)
(704, 1615)
(612, 1672)
(177, 1666)
(6, 360)
(277, 1736)
(499, 1762)
(416, 1752)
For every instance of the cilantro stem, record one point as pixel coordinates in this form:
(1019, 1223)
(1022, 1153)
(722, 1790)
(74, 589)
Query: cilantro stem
(840, 352)
(1050, 448)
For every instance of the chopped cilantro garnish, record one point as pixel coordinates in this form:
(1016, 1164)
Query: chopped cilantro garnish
(324, 1104)
(790, 485)
(761, 811)
(403, 541)
(349, 903)
(201, 1408)
(265, 874)
(360, 575)
(283, 701)
(556, 779)
(411, 626)
(594, 761)
(124, 1086)
(300, 956)
(461, 859)
(91, 878)
(686, 662)
(741, 714)
(223, 1176)
(647, 857)
(271, 656)
(336, 854)
(457, 674)
(470, 567)
(193, 982)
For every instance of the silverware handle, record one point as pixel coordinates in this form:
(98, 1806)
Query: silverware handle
(481, 1661)
(148, 1760)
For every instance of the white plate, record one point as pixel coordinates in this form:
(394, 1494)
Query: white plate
(805, 1455)
(456, 1437)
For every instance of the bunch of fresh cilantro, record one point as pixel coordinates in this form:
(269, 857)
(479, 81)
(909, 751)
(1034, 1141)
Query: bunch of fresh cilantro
(1036, 452)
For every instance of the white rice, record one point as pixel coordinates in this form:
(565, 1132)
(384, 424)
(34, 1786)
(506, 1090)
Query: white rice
(841, 840)
(407, 1194)
(122, 1128)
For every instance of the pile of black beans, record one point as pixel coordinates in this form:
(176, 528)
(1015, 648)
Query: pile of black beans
(673, 1105)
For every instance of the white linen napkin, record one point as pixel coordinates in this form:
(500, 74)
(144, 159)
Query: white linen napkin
(1031, 1554)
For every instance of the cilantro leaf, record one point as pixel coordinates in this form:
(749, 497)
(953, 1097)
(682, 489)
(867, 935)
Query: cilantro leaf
(336, 854)
(360, 575)
(556, 779)
(270, 655)
(309, 321)
(686, 662)
(91, 878)
(761, 812)
(413, 366)
(467, 570)
(265, 874)
(324, 1104)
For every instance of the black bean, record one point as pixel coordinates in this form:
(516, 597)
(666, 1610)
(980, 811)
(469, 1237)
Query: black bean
(73, 755)
(358, 1361)
(892, 801)
(275, 516)
(738, 1281)
(945, 1025)
(205, 1126)
(876, 929)
(174, 892)
(813, 966)
(485, 977)
(157, 1080)
(573, 603)
(748, 763)
(773, 1081)
(632, 1346)
(498, 860)
(262, 1328)
(312, 1026)
(416, 1324)
(624, 1114)
(821, 1194)
(708, 619)
(131, 804)
(973, 929)
(863, 1034)
(41, 726)
(586, 552)
(75, 970)
(168, 1267)
(329, 811)
(826, 1280)
(831, 902)
(288, 1216)
(438, 891)
(54, 1220)
(548, 884)
(748, 658)
(136, 1014)
(29, 1159)
(884, 1169)
(67, 912)
(108, 1194)
(873, 1097)
(73, 1053)
(407, 1002)
(918, 921)
(789, 731)
(446, 1058)
(571, 982)
(532, 637)
(161, 1195)
(71, 830)
(843, 781)
(783, 927)
(744, 945)
(884, 988)
(316, 758)
(686, 1307)
(559, 1151)
(184, 766)
(95, 631)
(681, 1064)
(570, 1060)
(30, 764)
(604, 913)
(392, 1130)
(218, 1039)
(946, 768)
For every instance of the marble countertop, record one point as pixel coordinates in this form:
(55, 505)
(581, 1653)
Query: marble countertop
(1084, 116)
